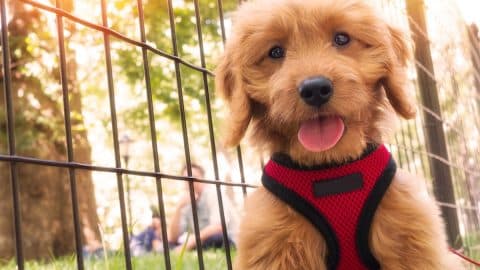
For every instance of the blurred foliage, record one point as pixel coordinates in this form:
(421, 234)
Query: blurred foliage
(131, 98)
(162, 72)
(35, 89)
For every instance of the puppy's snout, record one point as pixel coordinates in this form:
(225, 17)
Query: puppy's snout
(316, 91)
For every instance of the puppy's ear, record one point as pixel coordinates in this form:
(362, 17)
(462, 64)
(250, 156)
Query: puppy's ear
(229, 86)
(396, 79)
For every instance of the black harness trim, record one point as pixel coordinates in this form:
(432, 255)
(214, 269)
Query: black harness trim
(303, 207)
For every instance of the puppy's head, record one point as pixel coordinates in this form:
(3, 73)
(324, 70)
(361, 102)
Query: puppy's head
(311, 77)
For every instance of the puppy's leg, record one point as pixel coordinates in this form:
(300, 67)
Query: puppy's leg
(407, 231)
(274, 236)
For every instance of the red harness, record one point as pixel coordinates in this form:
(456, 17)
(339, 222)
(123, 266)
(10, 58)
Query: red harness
(339, 200)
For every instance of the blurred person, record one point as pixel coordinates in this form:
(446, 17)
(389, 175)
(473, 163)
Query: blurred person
(149, 240)
(208, 213)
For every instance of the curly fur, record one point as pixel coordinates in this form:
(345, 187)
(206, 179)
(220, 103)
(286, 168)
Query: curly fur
(369, 79)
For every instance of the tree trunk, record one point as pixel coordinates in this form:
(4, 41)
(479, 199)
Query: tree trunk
(474, 39)
(434, 133)
(46, 209)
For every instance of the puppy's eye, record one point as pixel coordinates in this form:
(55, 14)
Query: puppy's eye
(276, 52)
(341, 39)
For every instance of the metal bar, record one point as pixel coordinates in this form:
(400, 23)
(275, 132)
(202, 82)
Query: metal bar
(410, 142)
(419, 65)
(443, 161)
(474, 42)
(454, 206)
(68, 132)
(476, 72)
(212, 136)
(458, 176)
(242, 171)
(404, 142)
(422, 160)
(435, 136)
(431, 76)
(188, 161)
(474, 39)
(116, 145)
(153, 135)
(7, 87)
(222, 20)
(114, 34)
(129, 201)
(239, 149)
(440, 119)
(26, 160)
(399, 156)
(89, 167)
(467, 183)
(421, 145)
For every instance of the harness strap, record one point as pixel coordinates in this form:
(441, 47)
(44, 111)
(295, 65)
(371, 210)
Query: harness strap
(339, 200)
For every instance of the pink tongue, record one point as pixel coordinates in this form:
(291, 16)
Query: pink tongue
(321, 134)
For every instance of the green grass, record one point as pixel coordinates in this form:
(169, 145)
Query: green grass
(473, 242)
(214, 260)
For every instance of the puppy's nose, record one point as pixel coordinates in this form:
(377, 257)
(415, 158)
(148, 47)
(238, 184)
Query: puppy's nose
(316, 91)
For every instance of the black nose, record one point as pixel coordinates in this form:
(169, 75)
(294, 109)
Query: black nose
(316, 91)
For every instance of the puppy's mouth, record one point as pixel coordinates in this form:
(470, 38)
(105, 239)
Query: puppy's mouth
(321, 133)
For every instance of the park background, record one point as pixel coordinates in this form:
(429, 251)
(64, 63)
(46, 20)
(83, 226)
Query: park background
(129, 59)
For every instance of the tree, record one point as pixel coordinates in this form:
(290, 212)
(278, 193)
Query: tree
(162, 71)
(46, 209)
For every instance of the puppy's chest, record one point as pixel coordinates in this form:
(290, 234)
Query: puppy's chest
(339, 200)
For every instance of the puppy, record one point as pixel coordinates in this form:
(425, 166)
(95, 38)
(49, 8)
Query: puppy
(313, 80)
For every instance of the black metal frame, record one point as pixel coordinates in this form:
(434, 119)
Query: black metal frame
(13, 159)
(11, 136)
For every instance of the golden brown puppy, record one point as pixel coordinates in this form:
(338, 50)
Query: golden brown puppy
(278, 47)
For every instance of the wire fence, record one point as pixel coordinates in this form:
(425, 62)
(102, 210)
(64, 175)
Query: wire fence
(453, 76)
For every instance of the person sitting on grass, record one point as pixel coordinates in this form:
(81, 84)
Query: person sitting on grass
(181, 229)
(149, 240)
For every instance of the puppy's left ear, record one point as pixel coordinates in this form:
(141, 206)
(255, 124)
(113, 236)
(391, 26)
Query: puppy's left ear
(396, 79)
(229, 87)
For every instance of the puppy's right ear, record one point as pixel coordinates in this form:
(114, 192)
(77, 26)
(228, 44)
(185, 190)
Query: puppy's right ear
(229, 86)
(396, 78)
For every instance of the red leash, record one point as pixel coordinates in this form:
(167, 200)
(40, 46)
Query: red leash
(464, 257)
